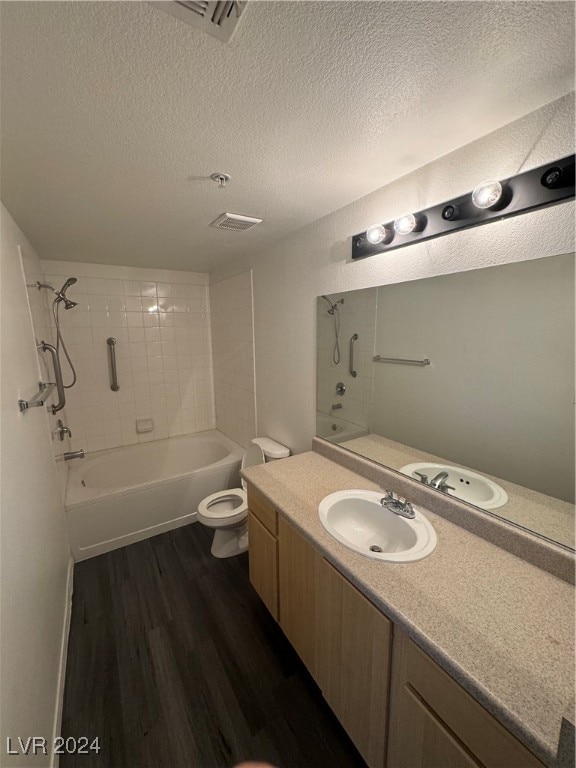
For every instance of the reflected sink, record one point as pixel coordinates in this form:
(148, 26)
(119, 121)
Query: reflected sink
(468, 486)
(358, 520)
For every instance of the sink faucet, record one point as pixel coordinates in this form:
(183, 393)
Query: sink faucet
(397, 505)
(440, 482)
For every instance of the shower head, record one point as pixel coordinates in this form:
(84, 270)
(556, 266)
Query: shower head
(333, 304)
(61, 294)
(68, 283)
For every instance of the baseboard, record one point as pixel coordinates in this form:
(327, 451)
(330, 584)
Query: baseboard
(63, 655)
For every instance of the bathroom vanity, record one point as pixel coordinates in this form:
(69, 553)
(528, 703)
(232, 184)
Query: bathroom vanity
(464, 658)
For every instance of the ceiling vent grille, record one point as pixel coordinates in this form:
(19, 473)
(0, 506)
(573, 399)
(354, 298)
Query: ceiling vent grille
(235, 221)
(215, 17)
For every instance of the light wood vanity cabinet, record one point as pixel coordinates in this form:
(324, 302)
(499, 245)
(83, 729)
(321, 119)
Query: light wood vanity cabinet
(398, 706)
(297, 595)
(435, 723)
(263, 548)
(353, 648)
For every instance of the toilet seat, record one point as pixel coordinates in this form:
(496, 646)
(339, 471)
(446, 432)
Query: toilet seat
(223, 508)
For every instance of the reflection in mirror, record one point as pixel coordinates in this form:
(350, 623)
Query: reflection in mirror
(490, 419)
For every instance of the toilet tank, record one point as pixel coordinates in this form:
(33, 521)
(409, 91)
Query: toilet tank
(271, 449)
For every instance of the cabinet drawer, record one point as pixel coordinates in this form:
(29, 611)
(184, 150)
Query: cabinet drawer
(261, 509)
(263, 563)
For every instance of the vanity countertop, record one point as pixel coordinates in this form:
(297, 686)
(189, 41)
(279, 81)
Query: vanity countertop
(546, 515)
(503, 628)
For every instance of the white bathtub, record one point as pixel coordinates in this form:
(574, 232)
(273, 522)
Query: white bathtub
(123, 495)
(337, 430)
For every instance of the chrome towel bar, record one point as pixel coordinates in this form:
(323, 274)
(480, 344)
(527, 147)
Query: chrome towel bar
(114, 386)
(399, 360)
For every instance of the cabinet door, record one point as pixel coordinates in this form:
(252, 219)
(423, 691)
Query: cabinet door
(296, 568)
(435, 723)
(353, 645)
(425, 742)
(263, 563)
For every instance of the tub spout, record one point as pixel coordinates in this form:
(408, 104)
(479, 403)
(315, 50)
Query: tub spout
(73, 455)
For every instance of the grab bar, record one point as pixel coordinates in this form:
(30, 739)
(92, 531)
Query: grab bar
(400, 361)
(352, 340)
(114, 386)
(57, 375)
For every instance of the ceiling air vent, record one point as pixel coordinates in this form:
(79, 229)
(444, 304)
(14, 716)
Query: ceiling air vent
(218, 18)
(235, 221)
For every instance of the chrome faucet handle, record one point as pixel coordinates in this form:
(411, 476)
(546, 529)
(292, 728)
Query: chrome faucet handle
(423, 477)
(61, 430)
(445, 487)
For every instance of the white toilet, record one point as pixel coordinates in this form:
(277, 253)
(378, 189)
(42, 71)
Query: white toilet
(227, 511)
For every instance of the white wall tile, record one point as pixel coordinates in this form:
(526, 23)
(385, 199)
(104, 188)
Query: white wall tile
(156, 370)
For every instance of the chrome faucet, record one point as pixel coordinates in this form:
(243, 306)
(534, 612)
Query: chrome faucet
(335, 406)
(440, 483)
(397, 505)
(73, 455)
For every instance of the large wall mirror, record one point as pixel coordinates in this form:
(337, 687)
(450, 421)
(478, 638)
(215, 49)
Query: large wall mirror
(464, 382)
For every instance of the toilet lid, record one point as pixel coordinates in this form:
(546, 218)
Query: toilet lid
(253, 456)
(224, 505)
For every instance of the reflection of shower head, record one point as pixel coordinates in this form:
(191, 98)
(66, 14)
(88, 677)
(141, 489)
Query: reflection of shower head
(333, 304)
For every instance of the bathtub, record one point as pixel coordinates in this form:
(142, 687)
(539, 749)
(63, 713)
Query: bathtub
(337, 430)
(123, 495)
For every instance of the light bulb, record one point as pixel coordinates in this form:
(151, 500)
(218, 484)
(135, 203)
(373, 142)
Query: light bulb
(377, 233)
(487, 194)
(405, 224)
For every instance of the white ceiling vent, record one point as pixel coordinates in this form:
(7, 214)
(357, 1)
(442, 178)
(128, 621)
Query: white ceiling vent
(215, 17)
(235, 221)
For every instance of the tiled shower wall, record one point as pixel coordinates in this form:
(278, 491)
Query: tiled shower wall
(161, 322)
(233, 349)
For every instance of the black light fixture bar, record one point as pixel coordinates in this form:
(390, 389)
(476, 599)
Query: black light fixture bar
(546, 185)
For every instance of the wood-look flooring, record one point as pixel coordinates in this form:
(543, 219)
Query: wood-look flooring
(174, 662)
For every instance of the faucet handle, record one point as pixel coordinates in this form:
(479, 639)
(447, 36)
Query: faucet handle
(423, 477)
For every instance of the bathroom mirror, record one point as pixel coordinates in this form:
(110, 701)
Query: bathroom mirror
(463, 381)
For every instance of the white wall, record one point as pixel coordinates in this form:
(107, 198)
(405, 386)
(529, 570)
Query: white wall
(316, 260)
(161, 322)
(233, 353)
(35, 558)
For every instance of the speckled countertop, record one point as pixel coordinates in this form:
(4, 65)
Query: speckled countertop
(501, 627)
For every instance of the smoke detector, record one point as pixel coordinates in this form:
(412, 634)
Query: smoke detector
(215, 17)
(235, 221)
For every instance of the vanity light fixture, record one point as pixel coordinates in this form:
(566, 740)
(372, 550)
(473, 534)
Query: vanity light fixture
(405, 224)
(378, 234)
(489, 201)
(487, 194)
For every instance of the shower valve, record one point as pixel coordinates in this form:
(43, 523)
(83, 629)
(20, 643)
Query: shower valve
(61, 430)
(340, 388)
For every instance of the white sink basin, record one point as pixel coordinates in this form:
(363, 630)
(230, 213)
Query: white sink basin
(358, 520)
(468, 486)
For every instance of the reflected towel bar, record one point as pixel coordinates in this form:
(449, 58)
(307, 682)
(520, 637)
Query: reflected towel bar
(400, 361)
(114, 386)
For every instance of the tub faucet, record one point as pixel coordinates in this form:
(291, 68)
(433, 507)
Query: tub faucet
(73, 455)
(335, 406)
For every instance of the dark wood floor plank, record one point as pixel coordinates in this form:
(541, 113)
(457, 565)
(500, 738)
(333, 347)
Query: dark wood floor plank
(174, 662)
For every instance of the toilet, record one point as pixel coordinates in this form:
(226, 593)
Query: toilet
(227, 510)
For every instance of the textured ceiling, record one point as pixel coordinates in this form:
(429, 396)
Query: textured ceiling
(108, 109)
